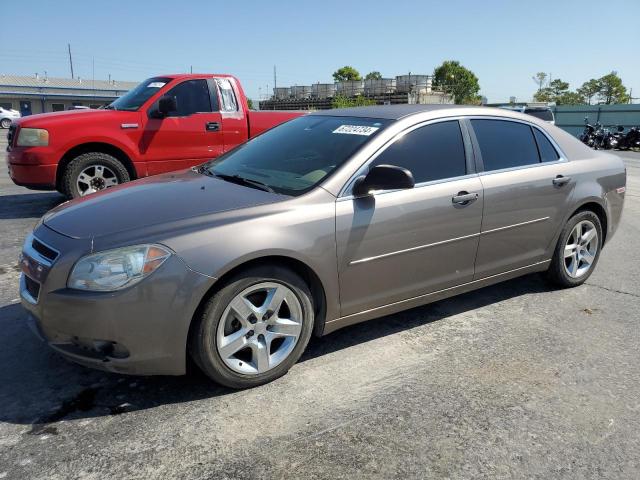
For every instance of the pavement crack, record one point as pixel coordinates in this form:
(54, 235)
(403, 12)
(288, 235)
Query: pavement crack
(613, 290)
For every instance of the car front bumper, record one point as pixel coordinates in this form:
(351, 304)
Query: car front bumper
(141, 330)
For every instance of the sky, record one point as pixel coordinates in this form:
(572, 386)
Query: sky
(503, 42)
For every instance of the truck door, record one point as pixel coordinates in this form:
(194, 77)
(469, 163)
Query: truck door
(186, 137)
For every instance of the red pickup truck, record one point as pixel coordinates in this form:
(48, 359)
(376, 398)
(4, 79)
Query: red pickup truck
(166, 123)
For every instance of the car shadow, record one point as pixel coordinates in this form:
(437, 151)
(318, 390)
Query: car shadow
(28, 205)
(40, 388)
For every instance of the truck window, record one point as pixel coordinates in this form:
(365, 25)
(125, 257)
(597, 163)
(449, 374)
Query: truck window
(228, 98)
(192, 96)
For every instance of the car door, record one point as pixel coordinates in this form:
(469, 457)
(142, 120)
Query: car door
(527, 190)
(395, 245)
(188, 136)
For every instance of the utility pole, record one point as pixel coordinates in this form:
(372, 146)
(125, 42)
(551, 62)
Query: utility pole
(191, 69)
(70, 60)
(275, 82)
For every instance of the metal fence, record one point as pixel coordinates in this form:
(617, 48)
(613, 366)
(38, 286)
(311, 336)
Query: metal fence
(571, 117)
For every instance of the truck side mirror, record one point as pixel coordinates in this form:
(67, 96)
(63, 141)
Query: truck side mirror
(166, 105)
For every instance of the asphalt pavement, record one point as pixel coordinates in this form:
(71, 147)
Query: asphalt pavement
(517, 380)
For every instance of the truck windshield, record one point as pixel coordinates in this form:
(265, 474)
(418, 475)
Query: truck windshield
(294, 157)
(133, 99)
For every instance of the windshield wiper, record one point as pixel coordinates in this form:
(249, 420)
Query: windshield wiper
(110, 107)
(240, 180)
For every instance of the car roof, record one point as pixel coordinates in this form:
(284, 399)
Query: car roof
(391, 112)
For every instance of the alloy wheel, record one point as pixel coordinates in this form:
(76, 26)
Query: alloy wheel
(581, 249)
(94, 178)
(259, 328)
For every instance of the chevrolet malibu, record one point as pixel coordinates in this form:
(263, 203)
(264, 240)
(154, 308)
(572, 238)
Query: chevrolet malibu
(325, 221)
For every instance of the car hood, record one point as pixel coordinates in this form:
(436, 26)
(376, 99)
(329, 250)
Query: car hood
(151, 201)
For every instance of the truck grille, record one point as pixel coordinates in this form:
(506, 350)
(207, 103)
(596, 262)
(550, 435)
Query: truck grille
(10, 135)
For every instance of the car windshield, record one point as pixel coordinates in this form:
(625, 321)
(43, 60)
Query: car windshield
(133, 99)
(294, 157)
(541, 113)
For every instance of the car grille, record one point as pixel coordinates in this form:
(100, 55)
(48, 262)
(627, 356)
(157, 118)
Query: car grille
(32, 287)
(47, 252)
(10, 135)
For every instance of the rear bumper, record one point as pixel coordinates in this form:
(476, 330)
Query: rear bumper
(32, 167)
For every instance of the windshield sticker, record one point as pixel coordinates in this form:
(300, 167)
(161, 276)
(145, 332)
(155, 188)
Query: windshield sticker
(355, 130)
(156, 85)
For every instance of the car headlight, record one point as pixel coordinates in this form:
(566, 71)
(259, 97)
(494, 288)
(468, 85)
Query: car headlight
(116, 269)
(33, 137)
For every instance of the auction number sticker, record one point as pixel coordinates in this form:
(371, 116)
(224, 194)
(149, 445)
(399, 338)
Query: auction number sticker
(355, 130)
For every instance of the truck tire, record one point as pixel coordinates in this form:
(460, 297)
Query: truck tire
(254, 328)
(91, 172)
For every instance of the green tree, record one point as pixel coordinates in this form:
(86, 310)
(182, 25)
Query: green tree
(612, 90)
(340, 101)
(589, 89)
(346, 73)
(553, 92)
(375, 75)
(570, 98)
(458, 81)
(540, 78)
(250, 103)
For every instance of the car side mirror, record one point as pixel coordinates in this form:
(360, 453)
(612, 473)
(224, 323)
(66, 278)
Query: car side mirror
(166, 105)
(383, 177)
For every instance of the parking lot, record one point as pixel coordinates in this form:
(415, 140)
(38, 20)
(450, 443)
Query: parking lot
(518, 380)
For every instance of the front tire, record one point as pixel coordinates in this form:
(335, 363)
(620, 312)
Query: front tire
(91, 172)
(577, 251)
(254, 329)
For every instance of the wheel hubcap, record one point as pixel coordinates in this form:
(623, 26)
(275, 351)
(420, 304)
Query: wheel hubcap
(94, 178)
(580, 249)
(259, 328)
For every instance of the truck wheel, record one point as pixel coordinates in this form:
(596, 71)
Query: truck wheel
(5, 123)
(91, 172)
(254, 328)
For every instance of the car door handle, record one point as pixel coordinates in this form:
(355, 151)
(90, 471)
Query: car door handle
(561, 180)
(464, 198)
(212, 126)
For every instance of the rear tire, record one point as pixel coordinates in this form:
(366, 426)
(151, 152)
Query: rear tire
(229, 347)
(5, 123)
(92, 172)
(575, 258)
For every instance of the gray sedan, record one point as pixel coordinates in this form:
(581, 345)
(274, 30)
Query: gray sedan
(328, 220)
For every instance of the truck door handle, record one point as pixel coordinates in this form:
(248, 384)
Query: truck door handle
(464, 198)
(561, 180)
(212, 126)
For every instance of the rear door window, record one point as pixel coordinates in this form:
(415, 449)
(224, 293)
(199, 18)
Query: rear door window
(505, 144)
(432, 152)
(227, 96)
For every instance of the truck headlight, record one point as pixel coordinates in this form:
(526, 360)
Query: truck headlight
(33, 137)
(116, 269)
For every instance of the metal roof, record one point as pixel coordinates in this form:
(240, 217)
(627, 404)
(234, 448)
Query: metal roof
(66, 83)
